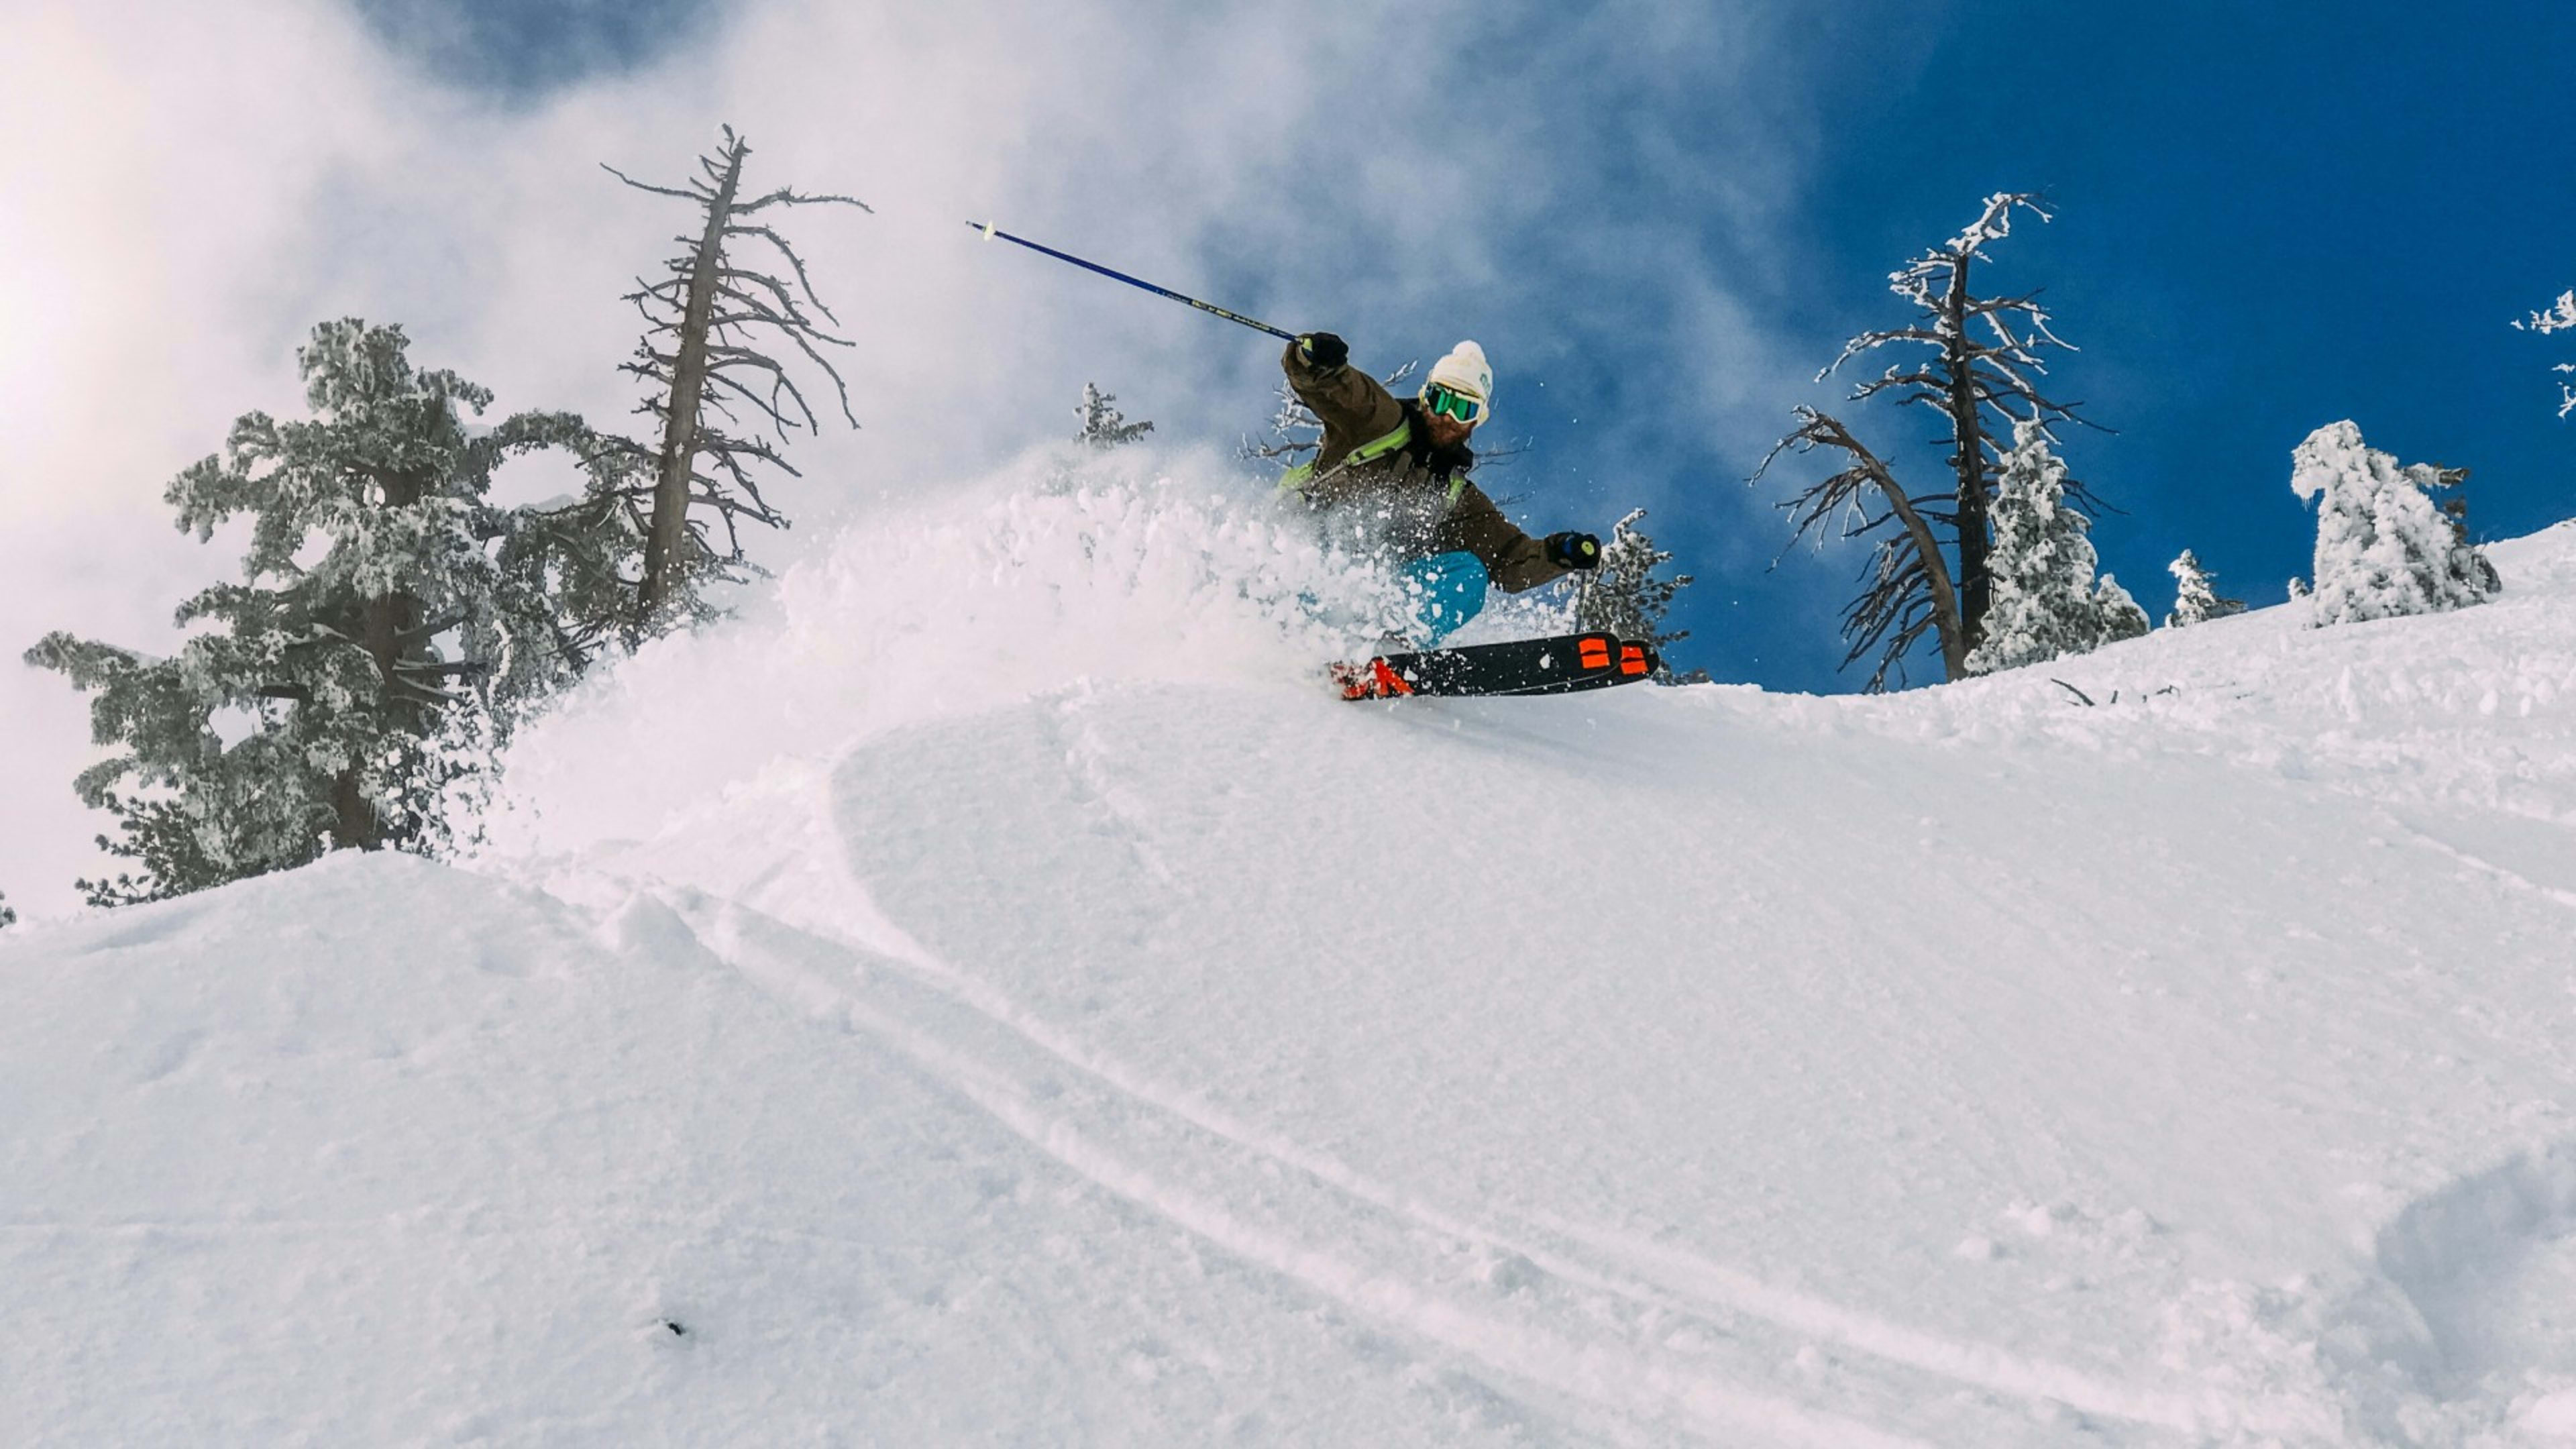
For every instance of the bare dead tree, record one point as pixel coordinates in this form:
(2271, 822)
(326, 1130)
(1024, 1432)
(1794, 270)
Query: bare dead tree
(1980, 371)
(698, 350)
(1909, 589)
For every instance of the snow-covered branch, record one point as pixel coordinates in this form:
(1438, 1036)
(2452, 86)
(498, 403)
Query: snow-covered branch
(2560, 316)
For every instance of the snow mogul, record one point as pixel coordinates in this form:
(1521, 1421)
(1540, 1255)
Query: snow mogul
(1396, 470)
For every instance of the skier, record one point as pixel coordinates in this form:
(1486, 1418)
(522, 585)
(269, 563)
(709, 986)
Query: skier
(1400, 469)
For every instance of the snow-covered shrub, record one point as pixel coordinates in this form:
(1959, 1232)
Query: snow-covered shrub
(1623, 597)
(2047, 602)
(1103, 426)
(2120, 615)
(2196, 599)
(2383, 548)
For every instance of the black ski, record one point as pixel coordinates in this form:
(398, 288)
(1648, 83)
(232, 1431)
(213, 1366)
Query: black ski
(1558, 665)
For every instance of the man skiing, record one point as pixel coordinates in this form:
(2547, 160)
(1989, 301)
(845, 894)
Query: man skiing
(1397, 470)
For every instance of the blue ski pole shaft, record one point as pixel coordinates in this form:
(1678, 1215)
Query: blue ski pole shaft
(988, 229)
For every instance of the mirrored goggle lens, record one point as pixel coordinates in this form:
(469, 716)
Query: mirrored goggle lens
(1445, 403)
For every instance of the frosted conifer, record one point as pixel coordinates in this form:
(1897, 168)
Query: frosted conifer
(2383, 548)
(1103, 426)
(2121, 616)
(2196, 599)
(375, 650)
(2047, 603)
(8, 917)
(1623, 597)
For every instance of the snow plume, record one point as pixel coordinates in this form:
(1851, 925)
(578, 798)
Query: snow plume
(1068, 566)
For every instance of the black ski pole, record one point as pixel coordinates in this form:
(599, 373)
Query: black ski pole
(990, 232)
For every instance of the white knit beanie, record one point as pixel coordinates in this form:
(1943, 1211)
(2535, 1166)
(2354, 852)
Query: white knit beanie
(1464, 370)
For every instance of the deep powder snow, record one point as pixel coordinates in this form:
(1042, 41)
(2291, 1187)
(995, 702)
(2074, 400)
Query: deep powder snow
(992, 992)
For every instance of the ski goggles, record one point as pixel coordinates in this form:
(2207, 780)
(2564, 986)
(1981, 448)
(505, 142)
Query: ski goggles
(1442, 401)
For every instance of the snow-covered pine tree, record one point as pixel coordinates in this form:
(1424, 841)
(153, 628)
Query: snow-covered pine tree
(1623, 597)
(2047, 602)
(2560, 317)
(373, 654)
(8, 917)
(2196, 599)
(1103, 426)
(2383, 548)
(698, 353)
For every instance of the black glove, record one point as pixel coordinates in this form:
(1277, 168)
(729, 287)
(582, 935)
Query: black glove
(1323, 351)
(1574, 550)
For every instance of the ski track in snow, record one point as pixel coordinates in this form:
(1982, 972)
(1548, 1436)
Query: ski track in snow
(2424, 836)
(1574, 1259)
(1238, 1201)
(1108, 1132)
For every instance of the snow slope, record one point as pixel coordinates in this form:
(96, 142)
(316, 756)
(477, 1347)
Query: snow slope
(991, 993)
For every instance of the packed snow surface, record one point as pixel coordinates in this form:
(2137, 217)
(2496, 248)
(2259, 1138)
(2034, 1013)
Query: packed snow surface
(992, 992)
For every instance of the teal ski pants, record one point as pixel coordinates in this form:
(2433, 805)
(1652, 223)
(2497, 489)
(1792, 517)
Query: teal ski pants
(1446, 590)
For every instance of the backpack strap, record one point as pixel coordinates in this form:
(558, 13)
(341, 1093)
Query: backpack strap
(1296, 479)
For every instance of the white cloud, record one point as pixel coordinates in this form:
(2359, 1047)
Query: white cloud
(194, 187)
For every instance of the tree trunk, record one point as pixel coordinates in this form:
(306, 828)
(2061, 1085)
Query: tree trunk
(382, 623)
(662, 553)
(353, 815)
(1968, 426)
(1948, 625)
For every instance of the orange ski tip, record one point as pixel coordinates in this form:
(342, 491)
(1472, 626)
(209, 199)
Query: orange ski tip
(1374, 680)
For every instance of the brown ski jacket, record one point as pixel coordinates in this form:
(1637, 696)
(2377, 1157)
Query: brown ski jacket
(1378, 463)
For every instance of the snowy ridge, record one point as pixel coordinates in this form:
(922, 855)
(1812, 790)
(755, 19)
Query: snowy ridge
(994, 991)
(2467, 708)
